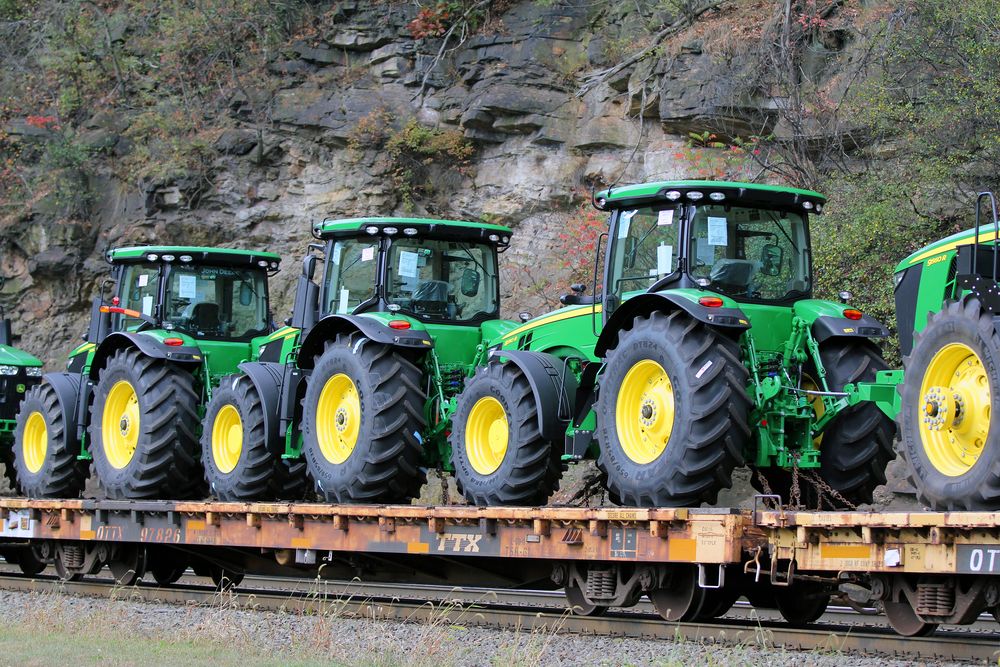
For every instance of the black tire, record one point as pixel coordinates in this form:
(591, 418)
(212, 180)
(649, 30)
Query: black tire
(857, 444)
(530, 469)
(164, 464)
(62, 474)
(977, 487)
(383, 464)
(709, 432)
(259, 473)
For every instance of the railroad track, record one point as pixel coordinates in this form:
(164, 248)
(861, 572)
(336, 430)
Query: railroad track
(531, 611)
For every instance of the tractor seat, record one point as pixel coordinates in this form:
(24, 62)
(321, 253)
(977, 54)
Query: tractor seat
(205, 317)
(736, 273)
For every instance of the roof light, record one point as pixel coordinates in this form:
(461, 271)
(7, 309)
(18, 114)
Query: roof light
(494, 237)
(505, 239)
(717, 196)
(410, 231)
(399, 324)
(274, 265)
(152, 257)
(673, 195)
(390, 230)
(372, 229)
(852, 314)
(185, 258)
(819, 208)
(262, 263)
(173, 342)
(710, 301)
(807, 205)
(168, 258)
(601, 202)
(694, 195)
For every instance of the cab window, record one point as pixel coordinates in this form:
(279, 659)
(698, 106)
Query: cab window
(645, 247)
(351, 274)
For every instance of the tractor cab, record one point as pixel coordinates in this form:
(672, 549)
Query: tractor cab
(746, 242)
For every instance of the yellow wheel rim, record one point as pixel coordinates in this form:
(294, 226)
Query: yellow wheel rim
(954, 410)
(487, 434)
(644, 412)
(338, 418)
(227, 439)
(35, 442)
(818, 406)
(120, 424)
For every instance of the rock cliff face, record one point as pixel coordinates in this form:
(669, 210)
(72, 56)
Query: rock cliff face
(533, 125)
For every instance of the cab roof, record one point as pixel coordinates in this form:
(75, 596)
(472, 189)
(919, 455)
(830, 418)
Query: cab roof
(198, 255)
(730, 191)
(424, 226)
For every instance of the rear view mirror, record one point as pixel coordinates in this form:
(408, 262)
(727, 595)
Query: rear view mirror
(246, 294)
(470, 282)
(771, 256)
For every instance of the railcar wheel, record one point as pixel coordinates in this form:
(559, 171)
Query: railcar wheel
(128, 566)
(905, 621)
(29, 563)
(165, 574)
(672, 413)
(681, 599)
(363, 413)
(499, 454)
(225, 579)
(142, 428)
(801, 603)
(578, 603)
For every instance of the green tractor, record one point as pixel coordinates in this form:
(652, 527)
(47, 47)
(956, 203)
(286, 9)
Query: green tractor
(180, 318)
(947, 307)
(704, 352)
(19, 371)
(360, 385)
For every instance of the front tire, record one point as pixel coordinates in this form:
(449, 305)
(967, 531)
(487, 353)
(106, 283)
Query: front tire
(240, 464)
(362, 423)
(499, 454)
(950, 392)
(671, 413)
(142, 429)
(46, 449)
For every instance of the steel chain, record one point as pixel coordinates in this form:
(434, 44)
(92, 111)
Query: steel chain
(765, 488)
(795, 496)
(825, 488)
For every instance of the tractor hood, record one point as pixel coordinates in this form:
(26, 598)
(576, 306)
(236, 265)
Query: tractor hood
(949, 243)
(11, 356)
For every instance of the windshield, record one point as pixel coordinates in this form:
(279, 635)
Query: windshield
(645, 247)
(750, 252)
(351, 274)
(443, 280)
(217, 303)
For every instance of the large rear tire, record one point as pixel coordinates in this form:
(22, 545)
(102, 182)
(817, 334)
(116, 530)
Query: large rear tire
(856, 446)
(361, 424)
(950, 393)
(499, 454)
(143, 422)
(46, 449)
(240, 464)
(672, 413)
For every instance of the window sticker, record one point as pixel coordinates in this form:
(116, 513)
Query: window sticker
(147, 305)
(664, 259)
(188, 288)
(706, 253)
(338, 248)
(368, 254)
(717, 231)
(624, 223)
(342, 306)
(408, 264)
(665, 217)
(143, 279)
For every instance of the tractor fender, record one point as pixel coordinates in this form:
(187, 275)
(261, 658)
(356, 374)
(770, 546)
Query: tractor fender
(266, 379)
(826, 327)
(67, 388)
(331, 325)
(147, 345)
(553, 387)
(731, 321)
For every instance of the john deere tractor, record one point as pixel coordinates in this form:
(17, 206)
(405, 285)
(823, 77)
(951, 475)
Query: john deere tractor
(178, 319)
(947, 307)
(361, 384)
(19, 371)
(704, 352)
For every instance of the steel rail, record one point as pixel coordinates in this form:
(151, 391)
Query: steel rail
(951, 645)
